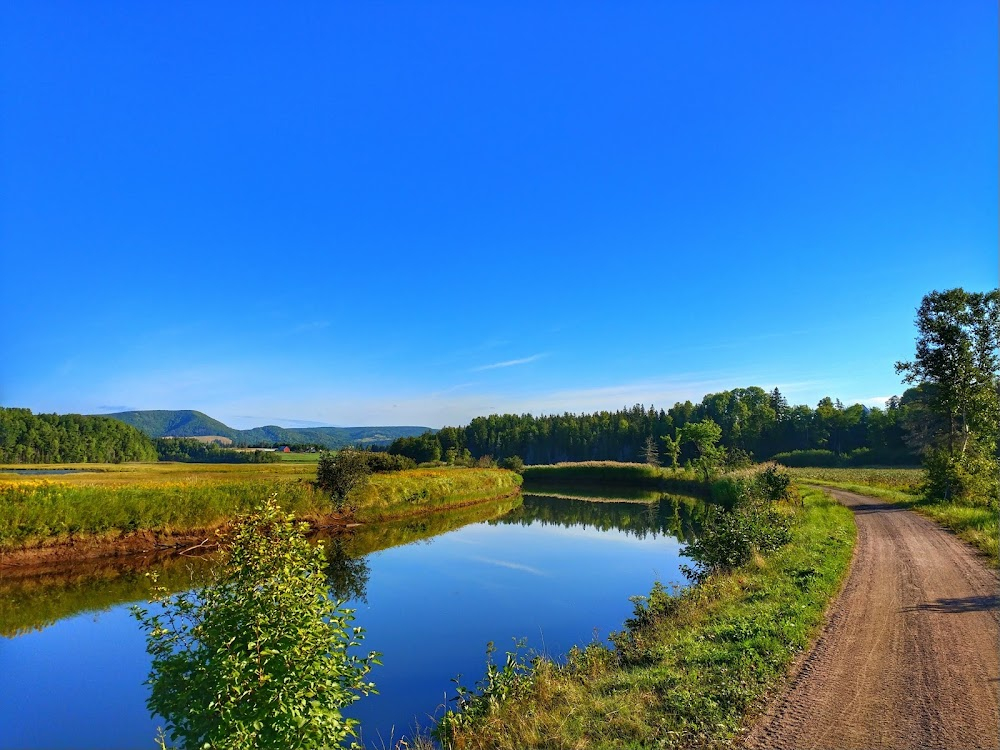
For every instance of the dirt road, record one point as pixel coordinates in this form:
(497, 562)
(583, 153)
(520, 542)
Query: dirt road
(909, 656)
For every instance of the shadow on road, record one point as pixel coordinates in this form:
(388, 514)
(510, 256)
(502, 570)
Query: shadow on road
(957, 606)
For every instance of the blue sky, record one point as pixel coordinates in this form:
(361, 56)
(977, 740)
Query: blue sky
(417, 213)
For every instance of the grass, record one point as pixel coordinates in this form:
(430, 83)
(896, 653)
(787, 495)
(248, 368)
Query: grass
(406, 493)
(300, 458)
(175, 497)
(979, 525)
(691, 669)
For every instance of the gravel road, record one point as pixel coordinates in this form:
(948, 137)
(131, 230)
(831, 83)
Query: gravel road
(909, 655)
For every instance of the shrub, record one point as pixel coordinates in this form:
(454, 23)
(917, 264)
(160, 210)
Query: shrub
(339, 473)
(512, 463)
(261, 658)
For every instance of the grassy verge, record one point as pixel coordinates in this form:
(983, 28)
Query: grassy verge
(613, 474)
(977, 524)
(406, 493)
(179, 498)
(690, 668)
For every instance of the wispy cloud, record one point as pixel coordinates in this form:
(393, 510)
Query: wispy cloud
(510, 565)
(509, 363)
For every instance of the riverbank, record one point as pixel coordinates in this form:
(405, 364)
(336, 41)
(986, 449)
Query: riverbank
(979, 524)
(140, 509)
(691, 668)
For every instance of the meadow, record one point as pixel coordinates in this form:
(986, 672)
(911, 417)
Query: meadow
(177, 498)
(978, 524)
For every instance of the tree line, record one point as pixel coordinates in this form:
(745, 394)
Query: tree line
(195, 451)
(69, 438)
(751, 420)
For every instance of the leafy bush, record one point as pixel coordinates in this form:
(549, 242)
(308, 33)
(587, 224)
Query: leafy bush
(969, 479)
(261, 658)
(512, 463)
(746, 522)
(380, 462)
(339, 473)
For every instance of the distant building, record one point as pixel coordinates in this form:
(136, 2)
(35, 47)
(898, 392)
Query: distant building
(286, 449)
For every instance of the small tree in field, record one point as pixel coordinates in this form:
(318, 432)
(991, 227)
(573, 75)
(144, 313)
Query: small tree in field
(338, 473)
(261, 657)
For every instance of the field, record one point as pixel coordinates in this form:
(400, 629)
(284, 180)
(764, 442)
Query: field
(175, 498)
(976, 524)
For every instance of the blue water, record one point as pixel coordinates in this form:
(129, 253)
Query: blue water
(430, 607)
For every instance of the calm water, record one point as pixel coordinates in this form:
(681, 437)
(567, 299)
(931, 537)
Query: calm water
(555, 571)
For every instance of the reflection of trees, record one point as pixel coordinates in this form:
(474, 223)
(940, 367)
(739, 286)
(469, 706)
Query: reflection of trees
(346, 576)
(672, 515)
(35, 601)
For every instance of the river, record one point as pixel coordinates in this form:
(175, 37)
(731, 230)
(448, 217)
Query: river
(429, 593)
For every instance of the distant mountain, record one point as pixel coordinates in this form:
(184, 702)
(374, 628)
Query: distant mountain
(186, 423)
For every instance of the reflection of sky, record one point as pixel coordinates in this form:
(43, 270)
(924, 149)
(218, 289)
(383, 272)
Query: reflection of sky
(78, 683)
(431, 609)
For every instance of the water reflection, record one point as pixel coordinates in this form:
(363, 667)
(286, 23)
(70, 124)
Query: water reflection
(666, 515)
(429, 591)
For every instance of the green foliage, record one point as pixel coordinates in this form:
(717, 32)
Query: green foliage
(500, 685)
(189, 449)
(970, 479)
(957, 364)
(262, 657)
(705, 436)
(380, 462)
(339, 473)
(512, 463)
(69, 438)
(421, 449)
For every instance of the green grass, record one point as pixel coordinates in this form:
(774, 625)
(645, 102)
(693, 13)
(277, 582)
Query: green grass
(978, 524)
(695, 670)
(406, 493)
(183, 498)
(300, 458)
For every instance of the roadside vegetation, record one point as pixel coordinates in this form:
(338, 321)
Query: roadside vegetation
(693, 664)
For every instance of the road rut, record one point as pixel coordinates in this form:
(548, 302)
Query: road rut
(909, 656)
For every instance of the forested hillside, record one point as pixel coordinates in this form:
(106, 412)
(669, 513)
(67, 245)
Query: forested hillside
(69, 438)
(186, 423)
(753, 420)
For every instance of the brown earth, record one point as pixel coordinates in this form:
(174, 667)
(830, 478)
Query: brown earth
(909, 654)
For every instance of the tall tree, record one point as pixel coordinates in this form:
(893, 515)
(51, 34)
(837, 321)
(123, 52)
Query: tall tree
(957, 363)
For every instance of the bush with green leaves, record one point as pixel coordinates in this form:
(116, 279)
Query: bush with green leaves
(339, 473)
(262, 657)
(512, 463)
(745, 521)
